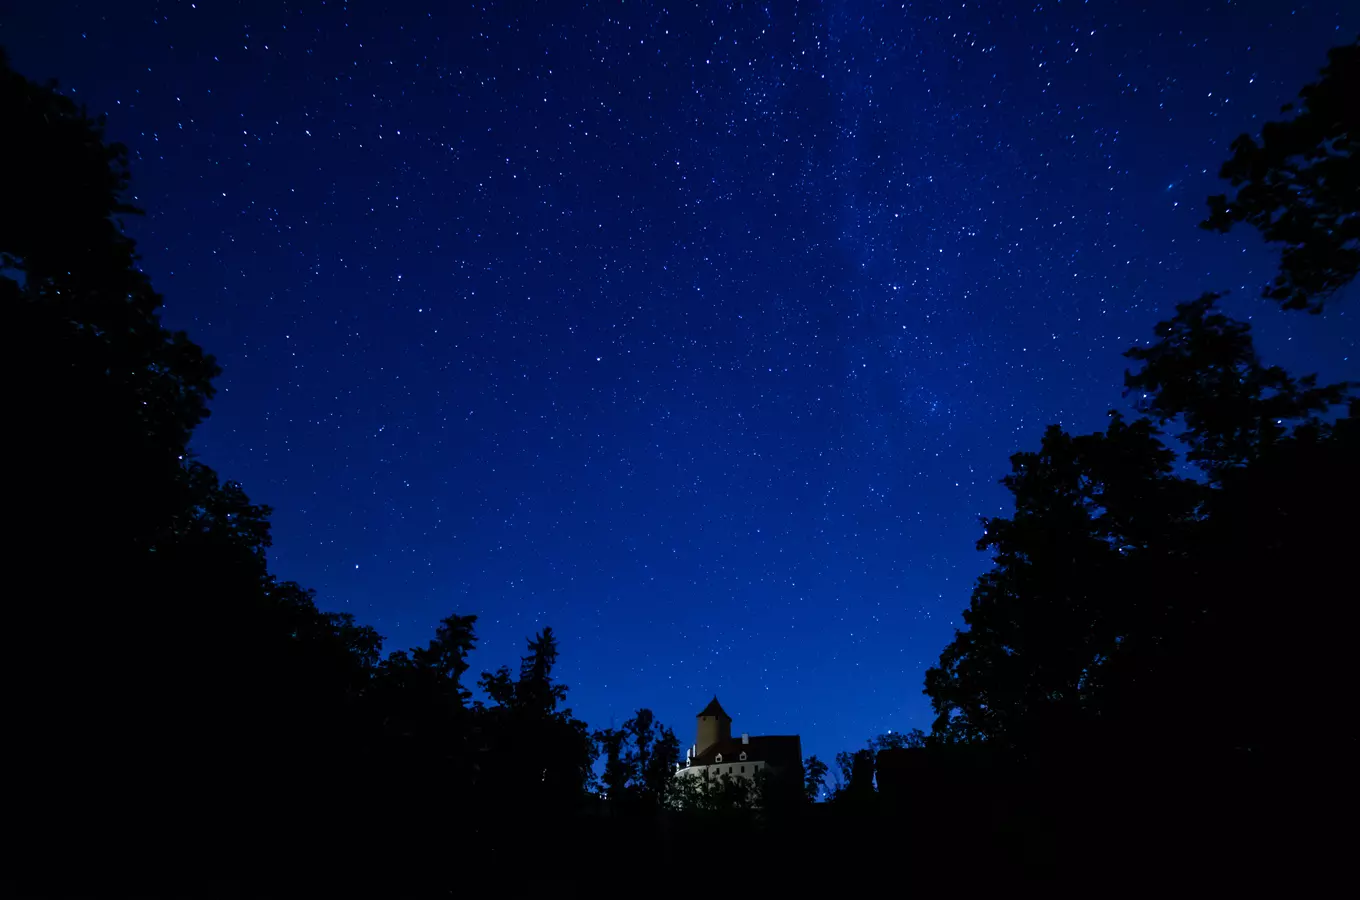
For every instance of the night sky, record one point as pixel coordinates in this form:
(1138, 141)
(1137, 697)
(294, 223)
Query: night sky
(702, 334)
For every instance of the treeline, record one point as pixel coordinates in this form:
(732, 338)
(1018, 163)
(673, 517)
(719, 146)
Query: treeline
(183, 717)
(175, 707)
(1190, 596)
(1153, 668)
(1162, 613)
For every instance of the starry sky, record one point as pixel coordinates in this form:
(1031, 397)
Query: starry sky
(700, 332)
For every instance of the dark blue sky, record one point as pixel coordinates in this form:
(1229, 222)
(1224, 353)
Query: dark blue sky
(702, 334)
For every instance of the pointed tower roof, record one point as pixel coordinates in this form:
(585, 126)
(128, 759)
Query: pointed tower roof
(714, 708)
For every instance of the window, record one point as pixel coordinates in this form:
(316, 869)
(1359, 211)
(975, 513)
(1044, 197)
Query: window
(718, 758)
(743, 756)
(743, 768)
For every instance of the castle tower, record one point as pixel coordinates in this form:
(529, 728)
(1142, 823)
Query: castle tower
(714, 725)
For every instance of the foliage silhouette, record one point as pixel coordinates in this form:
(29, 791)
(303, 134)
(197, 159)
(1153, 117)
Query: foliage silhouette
(724, 796)
(814, 778)
(230, 697)
(897, 740)
(1127, 637)
(532, 754)
(654, 756)
(1064, 592)
(1204, 370)
(1133, 628)
(1300, 187)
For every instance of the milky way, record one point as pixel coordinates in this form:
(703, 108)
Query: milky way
(702, 335)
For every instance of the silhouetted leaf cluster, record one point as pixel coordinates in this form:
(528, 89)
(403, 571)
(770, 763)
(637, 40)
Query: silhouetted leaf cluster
(1130, 596)
(170, 692)
(640, 762)
(1300, 186)
(163, 669)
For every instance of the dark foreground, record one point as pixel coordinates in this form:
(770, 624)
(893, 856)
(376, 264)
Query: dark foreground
(979, 828)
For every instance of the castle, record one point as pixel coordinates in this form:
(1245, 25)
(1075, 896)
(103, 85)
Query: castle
(716, 753)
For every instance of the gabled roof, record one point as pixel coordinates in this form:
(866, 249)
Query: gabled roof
(780, 750)
(714, 708)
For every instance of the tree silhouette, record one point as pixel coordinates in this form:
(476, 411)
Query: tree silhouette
(1134, 607)
(814, 778)
(219, 676)
(533, 754)
(1123, 593)
(1300, 187)
(640, 761)
(897, 740)
(845, 764)
(1204, 370)
(87, 354)
(655, 754)
(419, 702)
(859, 787)
(1064, 592)
(725, 796)
(618, 774)
(446, 655)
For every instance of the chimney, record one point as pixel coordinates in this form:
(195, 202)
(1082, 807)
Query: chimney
(745, 738)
